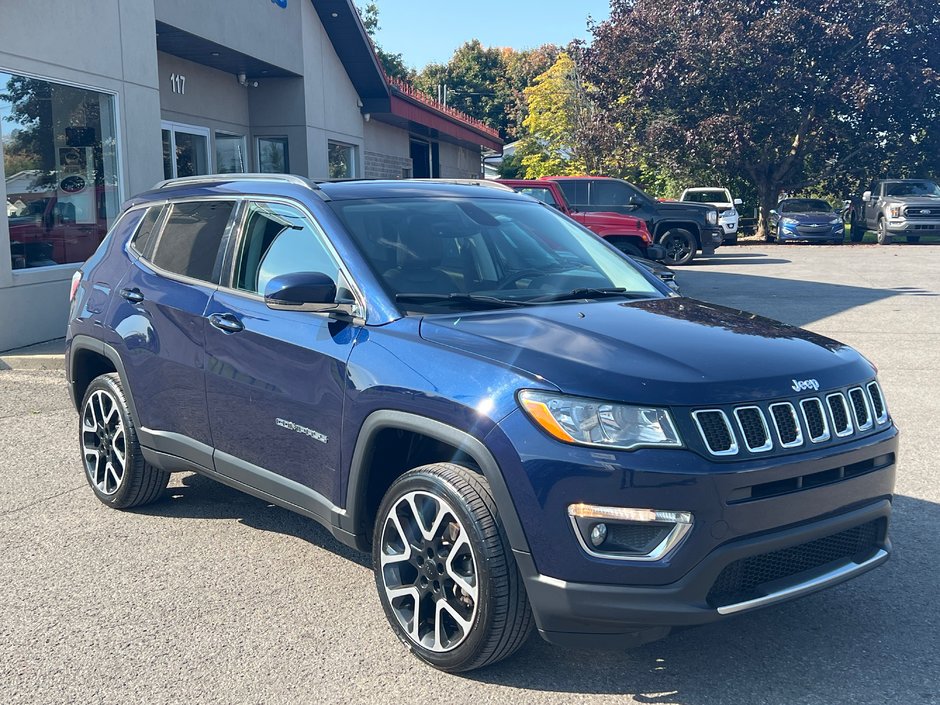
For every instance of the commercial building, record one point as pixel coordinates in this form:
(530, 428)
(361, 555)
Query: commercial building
(101, 99)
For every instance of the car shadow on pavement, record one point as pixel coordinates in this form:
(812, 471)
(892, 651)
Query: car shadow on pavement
(794, 301)
(195, 496)
(742, 258)
(874, 639)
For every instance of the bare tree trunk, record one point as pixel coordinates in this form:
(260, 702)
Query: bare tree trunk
(767, 192)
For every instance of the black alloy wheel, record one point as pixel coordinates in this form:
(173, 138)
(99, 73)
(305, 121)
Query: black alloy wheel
(680, 247)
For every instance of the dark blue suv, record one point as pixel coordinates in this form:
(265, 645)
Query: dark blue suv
(522, 426)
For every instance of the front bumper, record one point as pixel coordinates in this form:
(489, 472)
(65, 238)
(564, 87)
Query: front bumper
(806, 234)
(712, 237)
(914, 226)
(585, 615)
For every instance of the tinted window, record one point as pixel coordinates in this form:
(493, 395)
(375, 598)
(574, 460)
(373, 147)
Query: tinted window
(706, 197)
(805, 205)
(575, 191)
(189, 244)
(146, 234)
(279, 239)
(610, 193)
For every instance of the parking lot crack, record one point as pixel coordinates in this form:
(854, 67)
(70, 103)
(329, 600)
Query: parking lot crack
(39, 501)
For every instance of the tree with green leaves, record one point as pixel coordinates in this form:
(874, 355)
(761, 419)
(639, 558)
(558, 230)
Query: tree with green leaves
(786, 93)
(393, 64)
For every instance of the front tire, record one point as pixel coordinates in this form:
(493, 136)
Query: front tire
(114, 465)
(680, 247)
(445, 574)
(884, 237)
(627, 247)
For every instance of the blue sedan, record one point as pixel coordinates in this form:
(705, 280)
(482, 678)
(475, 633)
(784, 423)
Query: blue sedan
(806, 220)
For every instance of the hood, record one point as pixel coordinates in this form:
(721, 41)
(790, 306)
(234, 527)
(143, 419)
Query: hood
(696, 209)
(673, 351)
(915, 200)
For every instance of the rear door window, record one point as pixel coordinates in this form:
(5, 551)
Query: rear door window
(190, 241)
(610, 193)
(576, 192)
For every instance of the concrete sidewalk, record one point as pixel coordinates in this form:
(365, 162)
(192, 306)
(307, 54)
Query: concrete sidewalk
(49, 355)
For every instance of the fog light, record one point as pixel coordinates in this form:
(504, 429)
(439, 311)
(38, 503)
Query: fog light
(626, 533)
(598, 534)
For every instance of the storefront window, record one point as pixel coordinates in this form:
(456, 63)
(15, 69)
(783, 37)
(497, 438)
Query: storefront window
(342, 160)
(230, 155)
(60, 167)
(272, 155)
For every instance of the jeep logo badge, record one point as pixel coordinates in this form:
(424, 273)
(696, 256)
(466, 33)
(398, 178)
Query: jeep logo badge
(801, 385)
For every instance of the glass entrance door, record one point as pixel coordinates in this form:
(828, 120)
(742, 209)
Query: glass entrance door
(185, 150)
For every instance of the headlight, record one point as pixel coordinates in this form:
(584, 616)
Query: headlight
(788, 221)
(895, 211)
(712, 217)
(594, 422)
(732, 213)
(835, 221)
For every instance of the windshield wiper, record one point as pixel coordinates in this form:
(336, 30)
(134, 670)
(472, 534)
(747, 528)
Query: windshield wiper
(456, 297)
(589, 293)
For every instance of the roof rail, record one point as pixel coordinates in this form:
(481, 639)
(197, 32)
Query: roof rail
(218, 178)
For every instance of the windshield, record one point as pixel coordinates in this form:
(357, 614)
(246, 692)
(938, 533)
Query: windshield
(714, 196)
(912, 188)
(437, 254)
(805, 205)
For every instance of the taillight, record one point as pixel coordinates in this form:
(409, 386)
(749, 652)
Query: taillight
(76, 280)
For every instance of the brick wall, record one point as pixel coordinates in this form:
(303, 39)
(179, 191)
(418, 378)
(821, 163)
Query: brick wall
(385, 166)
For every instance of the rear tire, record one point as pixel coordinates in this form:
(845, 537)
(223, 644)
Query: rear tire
(114, 465)
(680, 246)
(627, 247)
(445, 573)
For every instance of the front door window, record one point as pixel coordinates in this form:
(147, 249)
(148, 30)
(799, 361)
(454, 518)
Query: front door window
(185, 150)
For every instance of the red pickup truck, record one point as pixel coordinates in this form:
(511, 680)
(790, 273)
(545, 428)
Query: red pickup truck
(628, 234)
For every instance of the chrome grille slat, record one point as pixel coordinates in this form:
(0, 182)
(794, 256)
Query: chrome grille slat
(756, 439)
(816, 417)
(877, 403)
(794, 434)
(710, 416)
(840, 414)
(861, 410)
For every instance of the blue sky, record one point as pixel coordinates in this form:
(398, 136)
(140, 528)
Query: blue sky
(425, 31)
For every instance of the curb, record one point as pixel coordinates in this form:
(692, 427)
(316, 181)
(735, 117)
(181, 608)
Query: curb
(44, 356)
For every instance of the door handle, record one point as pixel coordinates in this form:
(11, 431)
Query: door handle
(133, 295)
(225, 322)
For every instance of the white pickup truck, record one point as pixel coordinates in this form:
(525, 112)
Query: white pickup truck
(721, 199)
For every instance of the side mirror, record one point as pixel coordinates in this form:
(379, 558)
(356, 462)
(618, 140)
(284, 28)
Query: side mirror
(303, 291)
(866, 196)
(738, 202)
(633, 203)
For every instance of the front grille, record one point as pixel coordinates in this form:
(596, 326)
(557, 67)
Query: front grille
(917, 212)
(753, 428)
(841, 423)
(716, 431)
(860, 409)
(811, 420)
(741, 580)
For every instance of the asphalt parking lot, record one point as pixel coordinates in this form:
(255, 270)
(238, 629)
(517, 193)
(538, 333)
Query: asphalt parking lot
(211, 596)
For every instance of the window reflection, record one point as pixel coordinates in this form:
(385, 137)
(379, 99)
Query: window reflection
(60, 167)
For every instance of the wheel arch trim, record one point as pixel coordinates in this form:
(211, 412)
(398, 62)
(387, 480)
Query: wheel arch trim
(86, 342)
(384, 419)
